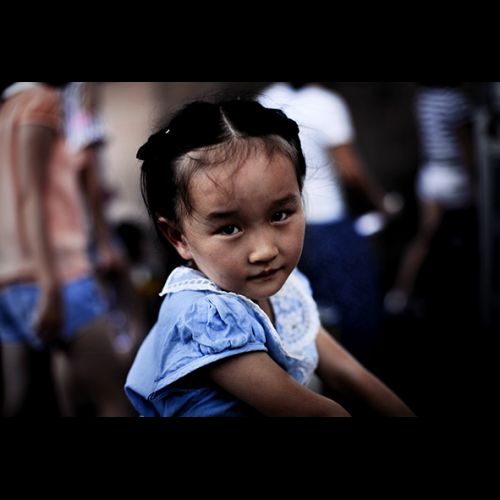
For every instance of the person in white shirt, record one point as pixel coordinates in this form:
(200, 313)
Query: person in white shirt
(338, 261)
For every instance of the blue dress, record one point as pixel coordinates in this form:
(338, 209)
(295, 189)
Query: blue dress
(200, 324)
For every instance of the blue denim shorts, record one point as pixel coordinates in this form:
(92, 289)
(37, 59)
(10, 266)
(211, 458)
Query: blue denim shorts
(83, 302)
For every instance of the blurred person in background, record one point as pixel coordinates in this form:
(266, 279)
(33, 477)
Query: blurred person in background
(86, 139)
(337, 258)
(446, 180)
(49, 296)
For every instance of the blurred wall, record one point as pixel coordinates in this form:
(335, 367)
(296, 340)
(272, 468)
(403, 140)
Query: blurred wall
(383, 116)
(128, 110)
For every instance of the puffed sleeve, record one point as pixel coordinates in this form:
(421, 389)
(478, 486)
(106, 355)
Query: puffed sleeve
(216, 324)
(212, 328)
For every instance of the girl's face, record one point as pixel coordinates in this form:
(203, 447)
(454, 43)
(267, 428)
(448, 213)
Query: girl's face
(246, 229)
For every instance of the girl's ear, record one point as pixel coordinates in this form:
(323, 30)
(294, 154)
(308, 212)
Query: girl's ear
(175, 237)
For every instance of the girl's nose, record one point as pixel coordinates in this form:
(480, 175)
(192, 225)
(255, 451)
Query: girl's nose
(264, 250)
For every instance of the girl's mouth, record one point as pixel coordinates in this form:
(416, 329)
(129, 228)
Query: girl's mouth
(268, 273)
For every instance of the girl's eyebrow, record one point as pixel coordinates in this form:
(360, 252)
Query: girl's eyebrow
(289, 198)
(215, 216)
(218, 215)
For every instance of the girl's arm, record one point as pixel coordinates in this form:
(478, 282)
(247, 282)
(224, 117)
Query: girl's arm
(260, 382)
(342, 373)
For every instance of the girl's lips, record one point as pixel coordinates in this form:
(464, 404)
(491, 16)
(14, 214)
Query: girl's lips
(265, 274)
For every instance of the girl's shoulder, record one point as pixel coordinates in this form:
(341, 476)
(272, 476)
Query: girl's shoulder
(200, 324)
(195, 328)
(188, 293)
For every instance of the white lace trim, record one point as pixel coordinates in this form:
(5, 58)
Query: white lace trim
(185, 278)
(296, 313)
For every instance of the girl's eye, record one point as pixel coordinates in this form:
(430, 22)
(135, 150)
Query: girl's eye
(229, 230)
(279, 216)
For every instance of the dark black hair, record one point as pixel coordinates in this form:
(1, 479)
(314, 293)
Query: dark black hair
(297, 85)
(203, 134)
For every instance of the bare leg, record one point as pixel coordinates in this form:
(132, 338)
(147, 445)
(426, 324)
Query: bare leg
(65, 384)
(15, 365)
(431, 215)
(93, 363)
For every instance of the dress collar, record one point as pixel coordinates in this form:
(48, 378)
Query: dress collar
(285, 303)
(184, 278)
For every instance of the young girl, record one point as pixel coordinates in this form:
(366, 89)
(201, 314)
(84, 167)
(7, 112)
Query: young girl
(238, 333)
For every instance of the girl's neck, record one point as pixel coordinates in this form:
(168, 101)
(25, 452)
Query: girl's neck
(266, 306)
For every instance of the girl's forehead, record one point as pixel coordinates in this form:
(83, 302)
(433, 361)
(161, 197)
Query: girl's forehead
(250, 179)
(235, 152)
(241, 168)
(230, 153)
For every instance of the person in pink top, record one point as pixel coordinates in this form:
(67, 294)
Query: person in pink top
(49, 297)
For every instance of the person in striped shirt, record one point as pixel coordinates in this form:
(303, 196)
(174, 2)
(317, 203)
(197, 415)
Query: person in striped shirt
(445, 180)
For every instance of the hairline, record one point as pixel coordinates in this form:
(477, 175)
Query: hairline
(239, 147)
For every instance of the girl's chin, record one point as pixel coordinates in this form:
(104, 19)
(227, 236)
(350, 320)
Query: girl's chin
(265, 290)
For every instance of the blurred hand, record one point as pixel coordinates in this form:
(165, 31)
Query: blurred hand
(392, 204)
(110, 259)
(49, 316)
